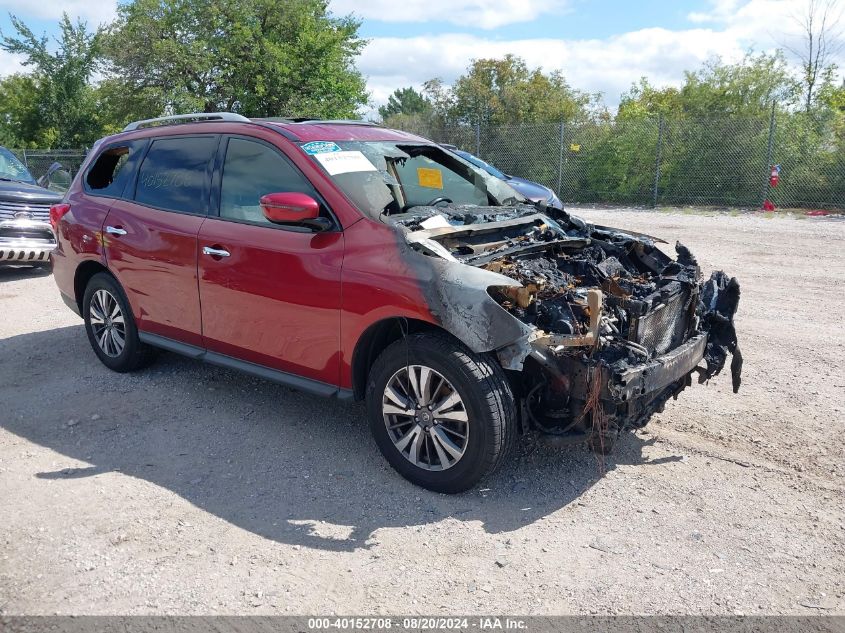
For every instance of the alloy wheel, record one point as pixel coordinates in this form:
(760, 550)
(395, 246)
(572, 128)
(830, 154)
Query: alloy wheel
(425, 418)
(107, 323)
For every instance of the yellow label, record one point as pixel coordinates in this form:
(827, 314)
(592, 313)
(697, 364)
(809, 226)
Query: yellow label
(575, 147)
(431, 178)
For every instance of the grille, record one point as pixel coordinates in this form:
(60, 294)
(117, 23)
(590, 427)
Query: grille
(663, 329)
(39, 212)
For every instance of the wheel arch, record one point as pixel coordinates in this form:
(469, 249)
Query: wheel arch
(82, 276)
(377, 337)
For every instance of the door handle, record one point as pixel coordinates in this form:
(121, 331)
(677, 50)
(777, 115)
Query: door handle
(214, 252)
(115, 230)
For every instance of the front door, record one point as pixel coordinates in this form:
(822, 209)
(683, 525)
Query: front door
(270, 294)
(151, 237)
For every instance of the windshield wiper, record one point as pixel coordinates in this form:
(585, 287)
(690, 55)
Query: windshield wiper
(7, 179)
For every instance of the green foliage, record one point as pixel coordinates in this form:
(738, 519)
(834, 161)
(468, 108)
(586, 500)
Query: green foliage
(506, 91)
(710, 136)
(642, 99)
(405, 101)
(718, 89)
(20, 125)
(54, 105)
(748, 87)
(257, 57)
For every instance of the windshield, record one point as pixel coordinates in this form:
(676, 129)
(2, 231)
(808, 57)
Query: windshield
(13, 169)
(384, 178)
(475, 160)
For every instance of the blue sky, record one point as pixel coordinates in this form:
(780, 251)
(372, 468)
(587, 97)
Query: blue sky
(599, 18)
(600, 45)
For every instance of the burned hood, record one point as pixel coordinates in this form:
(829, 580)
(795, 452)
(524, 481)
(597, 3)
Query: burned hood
(574, 286)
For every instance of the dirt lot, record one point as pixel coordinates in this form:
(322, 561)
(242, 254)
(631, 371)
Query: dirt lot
(188, 489)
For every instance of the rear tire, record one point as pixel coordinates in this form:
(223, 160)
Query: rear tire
(111, 327)
(443, 417)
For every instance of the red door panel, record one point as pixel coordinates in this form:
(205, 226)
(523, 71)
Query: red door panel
(156, 263)
(275, 300)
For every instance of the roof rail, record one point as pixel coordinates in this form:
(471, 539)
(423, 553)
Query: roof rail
(341, 122)
(187, 118)
(311, 120)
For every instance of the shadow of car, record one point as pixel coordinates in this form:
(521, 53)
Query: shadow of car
(282, 464)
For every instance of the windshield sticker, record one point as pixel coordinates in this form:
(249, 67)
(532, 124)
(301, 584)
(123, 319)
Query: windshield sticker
(344, 162)
(431, 178)
(320, 147)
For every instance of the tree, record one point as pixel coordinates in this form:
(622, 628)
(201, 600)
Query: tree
(507, 91)
(404, 101)
(644, 99)
(820, 43)
(20, 123)
(256, 57)
(746, 88)
(56, 106)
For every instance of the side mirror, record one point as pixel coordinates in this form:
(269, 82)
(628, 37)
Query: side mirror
(293, 208)
(57, 178)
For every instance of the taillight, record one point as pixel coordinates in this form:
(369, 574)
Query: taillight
(57, 212)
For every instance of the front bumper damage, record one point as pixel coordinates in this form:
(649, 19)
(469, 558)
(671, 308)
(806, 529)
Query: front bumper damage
(610, 327)
(26, 242)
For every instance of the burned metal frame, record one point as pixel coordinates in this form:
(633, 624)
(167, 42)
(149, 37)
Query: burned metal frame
(597, 326)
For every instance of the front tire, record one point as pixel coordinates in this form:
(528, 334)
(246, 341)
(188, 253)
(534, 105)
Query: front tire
(442, 416)
(111, 327)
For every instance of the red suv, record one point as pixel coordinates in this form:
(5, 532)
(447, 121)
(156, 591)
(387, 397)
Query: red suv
(351, 260)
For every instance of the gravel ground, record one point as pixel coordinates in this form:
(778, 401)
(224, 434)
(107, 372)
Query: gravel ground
(188, 489)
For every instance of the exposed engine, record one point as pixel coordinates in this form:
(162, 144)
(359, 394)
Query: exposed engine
(613, 316)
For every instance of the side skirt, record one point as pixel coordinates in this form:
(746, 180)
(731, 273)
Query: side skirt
(289, 380)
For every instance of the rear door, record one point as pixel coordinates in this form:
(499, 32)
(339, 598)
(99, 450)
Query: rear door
(270, 294)
(150, 236)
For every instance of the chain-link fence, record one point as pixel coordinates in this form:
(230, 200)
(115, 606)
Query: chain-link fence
(660, 161)
(38, 161)
(724, 161)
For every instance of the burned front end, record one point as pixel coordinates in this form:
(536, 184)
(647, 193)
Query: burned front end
(611, 327)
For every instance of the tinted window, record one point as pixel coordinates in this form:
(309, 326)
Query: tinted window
(252, 170)
(174, 173)
(113, 169)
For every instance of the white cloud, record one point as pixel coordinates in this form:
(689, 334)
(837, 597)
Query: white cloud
(94, 12)
(595, 65)
(10, 64)
(485, 14)
(609, 65)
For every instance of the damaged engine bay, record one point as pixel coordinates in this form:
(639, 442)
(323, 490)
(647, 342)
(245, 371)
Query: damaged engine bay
(617, 326)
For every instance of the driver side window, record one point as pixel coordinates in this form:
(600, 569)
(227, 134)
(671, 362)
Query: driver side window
(251, 170)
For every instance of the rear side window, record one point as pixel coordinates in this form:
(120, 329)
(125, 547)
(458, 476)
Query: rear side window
(112, 170)
(175, 174)
(252, 170)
